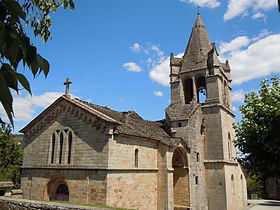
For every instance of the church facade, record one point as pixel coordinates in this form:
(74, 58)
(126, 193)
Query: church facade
(81, 152)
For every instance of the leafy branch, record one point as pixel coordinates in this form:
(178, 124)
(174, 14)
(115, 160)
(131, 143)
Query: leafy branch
(16, 47)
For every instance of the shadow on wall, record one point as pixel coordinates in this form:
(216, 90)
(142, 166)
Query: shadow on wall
(270, 203)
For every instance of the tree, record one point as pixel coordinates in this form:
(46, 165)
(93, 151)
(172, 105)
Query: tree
(11, 155)
(16, 47)
(254, 186)
(258, 133)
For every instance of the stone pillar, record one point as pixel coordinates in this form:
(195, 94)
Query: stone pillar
(194, 100)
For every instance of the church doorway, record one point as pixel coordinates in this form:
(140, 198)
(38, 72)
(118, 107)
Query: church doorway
(181, 189)
(62, 193)
(57, 190)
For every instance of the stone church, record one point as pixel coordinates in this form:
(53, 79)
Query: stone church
(81, 152)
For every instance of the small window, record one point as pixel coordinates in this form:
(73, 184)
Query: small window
(241, 177)
(232, 177)
(196, 180)
(179, 124)
(197, 157)
(136, 158)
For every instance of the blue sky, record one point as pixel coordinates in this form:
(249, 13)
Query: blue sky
(116, 51)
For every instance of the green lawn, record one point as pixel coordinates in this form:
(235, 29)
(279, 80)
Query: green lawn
(80, 204)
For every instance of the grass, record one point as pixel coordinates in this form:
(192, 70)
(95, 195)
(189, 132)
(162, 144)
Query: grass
(80, 204)
(90, 205)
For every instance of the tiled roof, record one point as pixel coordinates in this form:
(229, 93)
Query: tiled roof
(177, 112)
(134, 125)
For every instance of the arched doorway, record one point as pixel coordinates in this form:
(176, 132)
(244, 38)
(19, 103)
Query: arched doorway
(57, 189)
(62, 193)
(181, 189)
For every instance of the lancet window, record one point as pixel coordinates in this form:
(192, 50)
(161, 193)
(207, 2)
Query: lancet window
(61, 146)
(136, 158)
(195, 90)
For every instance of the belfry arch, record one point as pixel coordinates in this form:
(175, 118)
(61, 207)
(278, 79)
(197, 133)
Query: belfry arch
(181, 187)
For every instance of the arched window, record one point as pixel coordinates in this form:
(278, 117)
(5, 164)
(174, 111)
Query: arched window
(188, 90)
(53, 148)
(136, 158)
(69, 147)
(201, 90)
(60, 147)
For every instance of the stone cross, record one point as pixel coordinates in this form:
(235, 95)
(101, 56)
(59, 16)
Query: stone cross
(67, 83)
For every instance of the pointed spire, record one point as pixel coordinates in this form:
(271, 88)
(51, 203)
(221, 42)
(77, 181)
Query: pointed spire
(198, 47)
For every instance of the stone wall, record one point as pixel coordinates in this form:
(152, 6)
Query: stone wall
(85, 186)
(122, 153)
(132, 183)
(194, 138)
(236, 188)
(216, 186)
(22, 204)
(89, 146)
(132, 189)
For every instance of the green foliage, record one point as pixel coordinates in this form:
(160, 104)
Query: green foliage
(258, 133)
(16, 47)
(254, 186)
(11, 155)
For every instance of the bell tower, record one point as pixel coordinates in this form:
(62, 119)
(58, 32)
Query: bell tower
(200, 112)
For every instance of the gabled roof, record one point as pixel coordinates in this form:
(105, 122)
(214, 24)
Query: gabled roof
(199, 45)
(73, 101)
(129, 123)
(132, 124)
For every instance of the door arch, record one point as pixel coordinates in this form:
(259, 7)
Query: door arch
(181, 188)
(57, 189)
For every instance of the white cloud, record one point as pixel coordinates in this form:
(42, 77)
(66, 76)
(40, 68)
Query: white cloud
(258, 59)
(235, 44)
(158, 93)
(258, 15)
(131, 66)
(157, 50)
(238, 96)
(160, 72)
(135, 47)
(263, 33)
(234, 109)
(24, 107)
(241, 7)
(203, 3)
